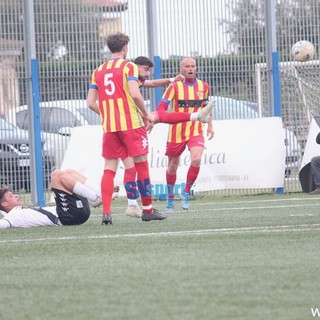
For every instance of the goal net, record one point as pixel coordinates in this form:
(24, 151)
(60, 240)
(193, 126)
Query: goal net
(300, 94)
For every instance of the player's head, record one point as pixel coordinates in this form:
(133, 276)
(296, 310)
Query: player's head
(8, 200)
(188, 68)
(118, 43)
(144, 65)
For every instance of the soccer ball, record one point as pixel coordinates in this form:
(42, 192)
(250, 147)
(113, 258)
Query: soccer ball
(303, 50)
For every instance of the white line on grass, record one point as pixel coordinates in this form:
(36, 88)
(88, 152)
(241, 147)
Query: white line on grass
(302, 215)
(283, 200)
(264, 229)
(241, 208)
(267, 207)
(200, 202)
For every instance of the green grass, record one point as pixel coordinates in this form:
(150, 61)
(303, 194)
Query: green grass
(249, 257)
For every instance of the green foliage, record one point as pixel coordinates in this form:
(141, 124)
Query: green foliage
(70, 79)
(224, 73)
(77, 27)
(69, 22)
(295, 20)
(247, 28)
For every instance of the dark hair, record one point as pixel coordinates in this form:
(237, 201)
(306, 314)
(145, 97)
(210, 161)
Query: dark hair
(143, 61)
(3, 191)
(116, 41)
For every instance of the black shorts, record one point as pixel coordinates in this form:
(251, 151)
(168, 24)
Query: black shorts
(71, 209)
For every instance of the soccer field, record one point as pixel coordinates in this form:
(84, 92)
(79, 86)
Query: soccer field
(245, 257)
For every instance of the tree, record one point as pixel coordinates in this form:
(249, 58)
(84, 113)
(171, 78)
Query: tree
(68, 23)
(295, 20)
(57, 22)
(246, 28)
(11, 23)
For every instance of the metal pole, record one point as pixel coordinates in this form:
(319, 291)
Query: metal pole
(270, 45)
(272, 55)
(152, 30)
(274, 99)
(152, 27)
(36, 173)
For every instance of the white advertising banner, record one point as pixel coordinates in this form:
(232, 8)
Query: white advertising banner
(312, 148)
(242, 154)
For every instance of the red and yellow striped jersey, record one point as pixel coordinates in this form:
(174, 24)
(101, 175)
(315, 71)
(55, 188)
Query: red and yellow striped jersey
(186, 97)
(117, 108)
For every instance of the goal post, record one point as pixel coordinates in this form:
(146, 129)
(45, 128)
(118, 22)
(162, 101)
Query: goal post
(300, 101)
(300, 84)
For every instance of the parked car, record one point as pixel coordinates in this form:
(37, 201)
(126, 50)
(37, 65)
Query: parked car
(57, 120)
(15, 158)
(227, 109)
(59, 117)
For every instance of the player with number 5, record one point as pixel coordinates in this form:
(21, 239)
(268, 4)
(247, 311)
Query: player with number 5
(114, 94)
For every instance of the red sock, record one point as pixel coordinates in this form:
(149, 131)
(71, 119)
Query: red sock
(173, 117)
(107, 186)
(191, 178)
(171, 180)
(130, 178)
(144, 184)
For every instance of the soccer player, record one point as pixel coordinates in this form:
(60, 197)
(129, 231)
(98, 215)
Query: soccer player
(161, 116)
(185, 97)
(144, 68)
(71, 193)
(114, 84)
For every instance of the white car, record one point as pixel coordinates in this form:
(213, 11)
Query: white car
(15, 158)
(57, 120)
(59, 117)
(227, 109)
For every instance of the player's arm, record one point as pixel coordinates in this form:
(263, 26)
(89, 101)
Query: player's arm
(166, 99)
(92, 98)
(210, 130)
(138, 99)
(163, 82)
(4, 224)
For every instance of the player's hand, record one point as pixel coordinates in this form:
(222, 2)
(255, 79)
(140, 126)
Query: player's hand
(149, 127)
(150, 117)
(210, 132)
(155, 117)
(148, 121)
(178, 78)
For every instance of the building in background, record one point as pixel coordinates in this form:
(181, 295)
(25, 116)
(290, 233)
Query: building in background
(109, 12)
(10, 50)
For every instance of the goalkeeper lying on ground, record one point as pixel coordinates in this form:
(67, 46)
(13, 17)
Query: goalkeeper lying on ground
(72, 193)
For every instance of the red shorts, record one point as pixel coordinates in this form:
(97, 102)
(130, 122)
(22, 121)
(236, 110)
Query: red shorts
(123, 144)
(174, 149)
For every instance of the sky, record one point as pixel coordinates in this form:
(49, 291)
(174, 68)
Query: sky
(183, 27)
